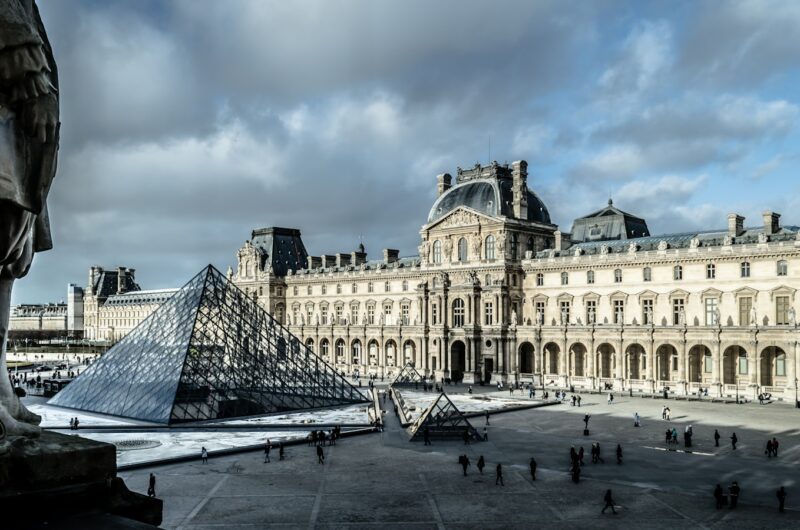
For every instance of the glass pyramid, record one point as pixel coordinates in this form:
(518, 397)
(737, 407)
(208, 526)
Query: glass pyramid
(408, 376)
(209, 352)
(443, 420)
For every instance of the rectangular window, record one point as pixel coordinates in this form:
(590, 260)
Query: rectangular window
(677, 311)
(674, 362)
(324, 289)
(308, 290)
(564, 278)
(371, 314)
(564, 312)
(781, 310)
(618, 276)
(619, 311)
(742, 365)
(591, 311)
(386, 286)
(387, 312)
(540, 312)
(339, 310)
(294, 290)
(708, 364)
(590, 277)
(404, 310)
(370, 287)
(745, 306)
(711, 312)
(780, 366)
(324, 315)
(434, 314)
(745, 269)
(647, 274)
(309, 314)
(711, 271)
(489, 313)
(647, 311)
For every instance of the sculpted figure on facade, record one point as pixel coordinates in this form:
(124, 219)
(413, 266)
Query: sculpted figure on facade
(753, 317)
(632, 248)
(791, 314)
(763, 238)
(29, 131)
(513, 318)
(448, 249)
(539, 317)
(682, 317)
(424, 250)
(694, 243)
(717, 317)
(604, 250)
(577, 252)
(663, 245)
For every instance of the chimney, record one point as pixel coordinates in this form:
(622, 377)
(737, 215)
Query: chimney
(563, 240)
(444, 183)
(120, 280)
(358, 257)
(519, 186)
(735, 225)
(94, 271)
(772, 222)
(132, 274)
(342, 260)
(390, 255)
(328, 260)
(314, 262)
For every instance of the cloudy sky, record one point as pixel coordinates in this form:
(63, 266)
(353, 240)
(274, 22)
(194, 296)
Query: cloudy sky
(188, 123)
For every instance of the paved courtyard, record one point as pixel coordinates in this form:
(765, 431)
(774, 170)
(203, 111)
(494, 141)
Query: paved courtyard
(384, 480)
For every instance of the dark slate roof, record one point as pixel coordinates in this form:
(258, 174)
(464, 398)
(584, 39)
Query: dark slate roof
(709, 238)
(608, 224)
(106, 283)
(491, 196)
(282, 248)
(401, 263)
(156, 296)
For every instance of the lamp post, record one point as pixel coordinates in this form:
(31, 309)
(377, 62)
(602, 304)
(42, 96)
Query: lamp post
(796, 401)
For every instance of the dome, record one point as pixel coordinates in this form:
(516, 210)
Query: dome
(492, 197)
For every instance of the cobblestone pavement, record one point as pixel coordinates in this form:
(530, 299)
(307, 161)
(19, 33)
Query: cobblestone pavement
(384, 480)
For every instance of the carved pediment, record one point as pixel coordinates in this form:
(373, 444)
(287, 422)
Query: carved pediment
(678, 293)
(782, 290)
(746, 291)
(711, 293)
(618, 295)
(647, 294)
(461, 216)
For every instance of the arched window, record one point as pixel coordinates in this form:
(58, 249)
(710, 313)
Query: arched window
(742, 363)
(462, 250)
(589, 277)
(780, 365)
(647, 274)
(529, 246)
(617, 275)
(539, 279)
(437, 251)
(354, 288)
(489, 246)
(783, 268)
(370, 287)
(356, 352)
(405, 285)
(338, 288)
(458, 313)
(324, 346)
(339, 350)
(564, 278)
(677, 272)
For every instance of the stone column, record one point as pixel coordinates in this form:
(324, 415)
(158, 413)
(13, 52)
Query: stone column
(651, 365)
(716, 367)
(682, 385)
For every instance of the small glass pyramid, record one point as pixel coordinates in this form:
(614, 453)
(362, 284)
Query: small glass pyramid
(209, 352)
(443, 420)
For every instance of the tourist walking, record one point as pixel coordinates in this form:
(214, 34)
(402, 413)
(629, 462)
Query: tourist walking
(774, 447)
(485, 435)
(487, 417)
(619, 454)
(579, 401)
(533, 468)
(733, 493)
(663, 412)
(426, 435)
(280, 451)
(636, 422)
(781, 494)
(669, 413)
(610, 398)
(320, 455)
(151, 488)
(734, 439)
(716, 438)
(575, 471)
(586, 421)
(267, 448)
(466, 436)
(609, 503)
(580, 455)
(768, 451)
(499, 475)
(719, 498)
(464, 461)
(204, 455)
(481, 464)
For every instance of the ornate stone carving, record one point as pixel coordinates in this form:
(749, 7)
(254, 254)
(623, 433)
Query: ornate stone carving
(763, 238)
(424, 248)
(577, 252)
(29, 107)
(694, 243)
(448, 248)
(632, 248)
(604, 250)
(476, 246)
(459, 218)
(663, 245)
(727, 241)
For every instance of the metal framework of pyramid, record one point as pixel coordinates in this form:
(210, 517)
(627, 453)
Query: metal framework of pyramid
(207, 353)
(408, 376)
(443, 420)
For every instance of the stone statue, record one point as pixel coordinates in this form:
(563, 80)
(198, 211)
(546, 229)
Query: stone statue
(632, 248)
(716, 316)
(472, 277)
(513, 318)
(604, 250)
(694, 243)
(423, 250)
(538, 317)
(682, 317)
(476, 246)
(563, 317)
(577, 252)
(753, 317)
(792, 316)
(28, 151)
(448, 248)
(727, 241)
(763, 238)
(663, 245)
(650, 317)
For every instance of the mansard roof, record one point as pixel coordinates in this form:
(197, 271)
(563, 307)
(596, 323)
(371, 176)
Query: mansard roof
(280, 248)
(609, 223)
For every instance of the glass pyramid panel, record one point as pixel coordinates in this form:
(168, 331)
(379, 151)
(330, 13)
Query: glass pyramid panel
(408, 376)
(443, 420)
(208, 353)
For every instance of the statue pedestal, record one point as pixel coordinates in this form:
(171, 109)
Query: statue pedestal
(470, 378)
(70, 476)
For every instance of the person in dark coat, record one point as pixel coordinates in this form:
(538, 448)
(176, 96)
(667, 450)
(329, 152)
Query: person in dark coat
(619, 454)
(716, 438)
(464, 461)
(499, 476)
(426, 435)
(733, 492)
(533, 468)
(609, 502)
(718, 496)
(320, 455)
(151, 488)
(481, 464)
(734, 439)
(781, 494)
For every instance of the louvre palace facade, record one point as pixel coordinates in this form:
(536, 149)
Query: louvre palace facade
(499, 293)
